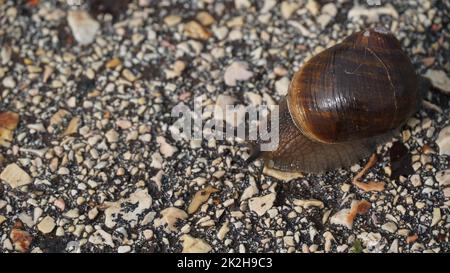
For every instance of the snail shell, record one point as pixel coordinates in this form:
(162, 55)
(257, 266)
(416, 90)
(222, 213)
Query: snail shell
(343, 102)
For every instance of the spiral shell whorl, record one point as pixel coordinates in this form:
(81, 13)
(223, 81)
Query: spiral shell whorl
(362, 87)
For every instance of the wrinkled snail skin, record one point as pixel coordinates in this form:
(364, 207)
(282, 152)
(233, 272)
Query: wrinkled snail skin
(298, 153)
(343, 102)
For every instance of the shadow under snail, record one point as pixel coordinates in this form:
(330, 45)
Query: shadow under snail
(344, 102)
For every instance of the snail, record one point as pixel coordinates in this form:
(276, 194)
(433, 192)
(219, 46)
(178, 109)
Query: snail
(344, 102)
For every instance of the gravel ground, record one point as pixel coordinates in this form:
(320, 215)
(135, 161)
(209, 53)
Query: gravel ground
(87, 158)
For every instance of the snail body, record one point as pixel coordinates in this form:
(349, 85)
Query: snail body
(343, 102)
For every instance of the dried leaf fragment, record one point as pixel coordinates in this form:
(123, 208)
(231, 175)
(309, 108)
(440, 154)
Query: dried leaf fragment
(360, 207)
(20, 238)
(345, 217)
(369, 186)
(372, 185)
(33, 3)
(412, 238)
(200, 197)
(8, 123)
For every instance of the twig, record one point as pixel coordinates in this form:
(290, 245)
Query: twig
(369, 186)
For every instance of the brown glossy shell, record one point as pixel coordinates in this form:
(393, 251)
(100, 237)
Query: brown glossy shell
(362, 87)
